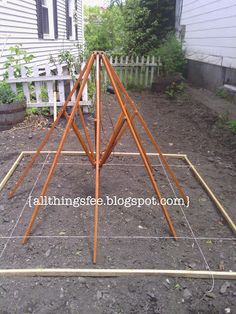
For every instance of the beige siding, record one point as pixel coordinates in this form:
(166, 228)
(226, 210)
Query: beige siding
(18, 25)
(210, 31)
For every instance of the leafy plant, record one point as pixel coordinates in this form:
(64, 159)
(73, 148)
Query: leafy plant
(72, 62)
(7, 96)
(44, 93)
(32, 110)
(38, 111)
(17, 57)
(91, 89)
(175, 89)
(44, 96)
(171, 55)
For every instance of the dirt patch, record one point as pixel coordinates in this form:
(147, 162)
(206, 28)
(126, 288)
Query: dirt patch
(128, 237)
(219, 105)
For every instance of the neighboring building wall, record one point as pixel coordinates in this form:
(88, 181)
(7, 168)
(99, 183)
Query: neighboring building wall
(208, 30)
(18, 25)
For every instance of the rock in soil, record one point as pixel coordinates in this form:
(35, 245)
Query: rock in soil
(187, 294)
(224, 287)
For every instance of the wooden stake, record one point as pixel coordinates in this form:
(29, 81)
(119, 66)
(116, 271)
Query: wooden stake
(54, 106)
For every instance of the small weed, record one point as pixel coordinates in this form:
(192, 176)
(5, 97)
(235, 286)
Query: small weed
(175, 89)
(135, 87)
(44, 94)
(223, 120)
(38, 111)
(176, 286)
(222, 93)
(91, 89)
(32, 110)
(224, 117)
(232, 125)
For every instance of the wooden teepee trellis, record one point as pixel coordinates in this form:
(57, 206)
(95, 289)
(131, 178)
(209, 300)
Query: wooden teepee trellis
(98, 158)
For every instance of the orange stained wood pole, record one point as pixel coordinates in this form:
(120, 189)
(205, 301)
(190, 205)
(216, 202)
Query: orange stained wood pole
(163, 159)
(59, 149)
(80, 138)
(48, 134)
(86, 131)
(139, 145)
(152, 139)
(124, 128)
(111, 143)
(95, 129)
(97, 170)
(119, 135)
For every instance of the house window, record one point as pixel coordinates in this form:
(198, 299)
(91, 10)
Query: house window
(70, 26)
(47, 19)
(71, 20)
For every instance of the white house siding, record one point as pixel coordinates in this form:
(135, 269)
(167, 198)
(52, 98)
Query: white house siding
(18, 25)
(210, 31)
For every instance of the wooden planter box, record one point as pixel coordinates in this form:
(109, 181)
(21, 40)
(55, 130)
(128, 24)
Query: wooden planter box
(11, 114)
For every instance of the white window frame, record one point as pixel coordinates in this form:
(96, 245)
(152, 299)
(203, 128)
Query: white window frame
(49, 5)
(71, 14)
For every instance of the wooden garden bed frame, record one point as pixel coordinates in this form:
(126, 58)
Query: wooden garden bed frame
(75, 272)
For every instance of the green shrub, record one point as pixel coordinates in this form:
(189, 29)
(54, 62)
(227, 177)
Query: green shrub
(7, 96)
(171, 55)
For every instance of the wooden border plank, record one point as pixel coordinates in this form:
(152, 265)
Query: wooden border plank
(11, 171)
(77, 272)
(70, 272)
(82, 153)
(212, 196)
